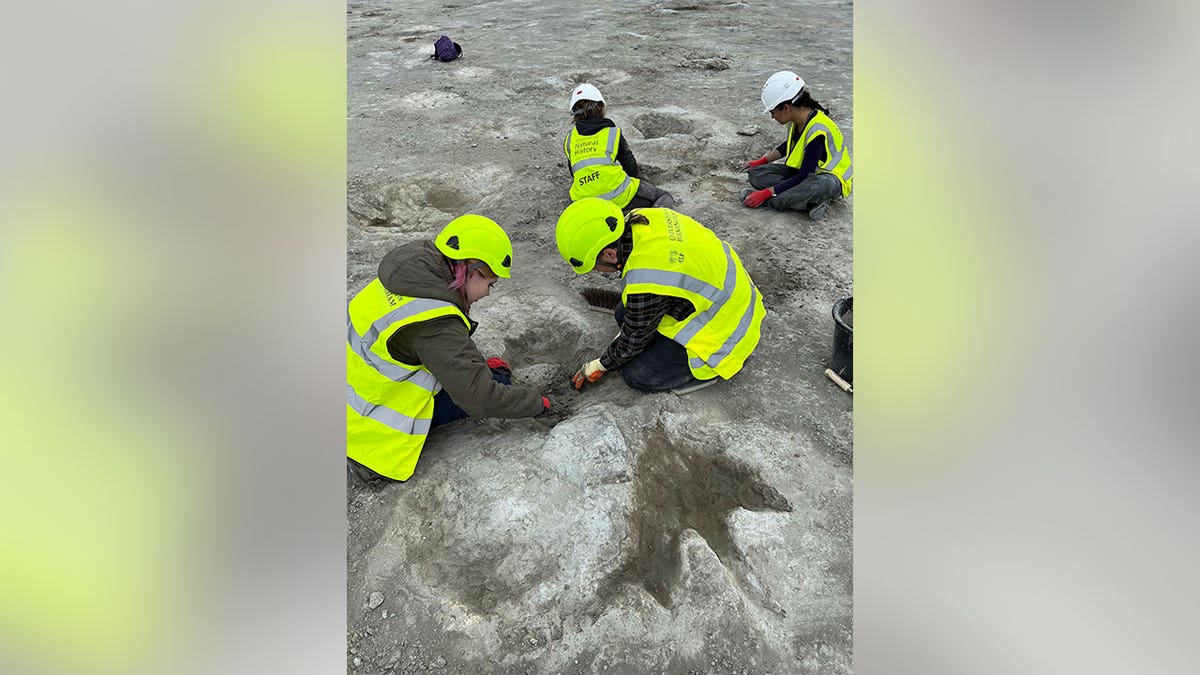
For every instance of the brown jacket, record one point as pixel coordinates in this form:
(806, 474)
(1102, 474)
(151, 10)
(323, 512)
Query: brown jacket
(443, 345)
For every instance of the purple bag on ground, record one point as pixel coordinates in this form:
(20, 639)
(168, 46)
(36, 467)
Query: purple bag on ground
(446, 49)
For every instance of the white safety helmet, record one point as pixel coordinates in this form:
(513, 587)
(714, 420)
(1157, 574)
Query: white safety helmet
(584, 92)
(780, 88)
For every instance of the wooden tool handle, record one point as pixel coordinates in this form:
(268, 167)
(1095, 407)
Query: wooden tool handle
(839, 381)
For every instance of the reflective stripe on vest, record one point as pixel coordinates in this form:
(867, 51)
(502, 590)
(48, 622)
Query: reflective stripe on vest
(837, 157)
(386, 416)
(689, 331)
(595, 170)
(740, 332)
(361, 344)
(676, 256)
(676, 280)
(389, 404)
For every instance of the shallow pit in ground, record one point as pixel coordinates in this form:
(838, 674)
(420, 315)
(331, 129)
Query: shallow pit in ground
(545, 339)
(656, 124)
(447, 198)
(546, 349)
(600, 77)
(680, 488)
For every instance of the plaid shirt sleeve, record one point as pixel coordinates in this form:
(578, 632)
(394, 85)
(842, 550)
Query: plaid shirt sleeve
(643, 311)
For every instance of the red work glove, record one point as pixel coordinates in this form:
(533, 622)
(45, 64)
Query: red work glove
(756, 198)
(746, 166)
(591, 371)
(498, 363)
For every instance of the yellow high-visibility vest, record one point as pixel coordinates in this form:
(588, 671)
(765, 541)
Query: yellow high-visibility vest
(676, 256)
(389, 404)
(595, 168)
(837, 156)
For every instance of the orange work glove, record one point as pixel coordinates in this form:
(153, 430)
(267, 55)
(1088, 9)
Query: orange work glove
(756, 198)
(591, 371)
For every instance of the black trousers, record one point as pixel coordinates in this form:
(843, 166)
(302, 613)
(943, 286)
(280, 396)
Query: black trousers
(662, 366)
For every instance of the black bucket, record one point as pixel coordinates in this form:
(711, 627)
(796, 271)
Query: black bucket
(842, 361)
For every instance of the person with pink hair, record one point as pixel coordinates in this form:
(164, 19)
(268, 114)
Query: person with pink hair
(411, 364)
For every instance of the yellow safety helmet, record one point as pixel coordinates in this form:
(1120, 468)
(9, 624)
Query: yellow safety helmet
(473, 236)
(585, 228)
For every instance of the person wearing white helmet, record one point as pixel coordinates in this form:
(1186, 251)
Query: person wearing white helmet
(601, 163)
(816, 168)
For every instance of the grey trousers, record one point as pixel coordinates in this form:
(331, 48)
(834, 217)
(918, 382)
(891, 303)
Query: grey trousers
(811, 191)
(649, 195)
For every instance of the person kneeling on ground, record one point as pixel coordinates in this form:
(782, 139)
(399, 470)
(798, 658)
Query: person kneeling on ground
(600, 161)
(689, 312)
(411, 364)
(817, 169)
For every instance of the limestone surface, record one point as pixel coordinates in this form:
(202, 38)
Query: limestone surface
(623, 533)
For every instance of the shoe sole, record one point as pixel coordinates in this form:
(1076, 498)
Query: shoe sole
(680, 391)
(818, 212)
(367, 476)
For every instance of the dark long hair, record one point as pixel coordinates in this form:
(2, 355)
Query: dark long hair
(634, 217)
(584, 109)
(805, 99)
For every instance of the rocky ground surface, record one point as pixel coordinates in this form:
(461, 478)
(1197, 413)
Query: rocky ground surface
(625, 533)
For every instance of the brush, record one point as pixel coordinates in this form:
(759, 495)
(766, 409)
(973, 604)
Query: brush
(601, 299)
(846, 386)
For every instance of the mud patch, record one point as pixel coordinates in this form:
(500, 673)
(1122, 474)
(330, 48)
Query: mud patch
(675, 158)
(554, 381)
(556, 347)
(676, 489)
(448, 197)
(548, 342)
(657, 124)
(601, 77)
(780, 279)
(406, 207)
(426, 204)
(384, 206)
(720, 188)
